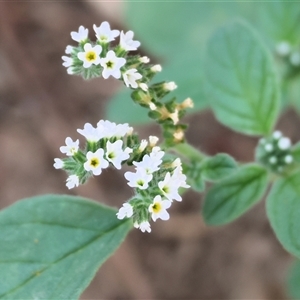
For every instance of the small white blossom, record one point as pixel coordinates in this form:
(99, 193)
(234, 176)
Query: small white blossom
(115, 154)
(68, 61)
(269, 147)
(140, 179)
(81, 35)
(104, 34)
(107, 129)
(276, 135)
(126, 41)
(143, 86)
(180, 177)
(95, 162)
(143, 145)
(156, 68)
(158, 208)
(72, 181)
(126, 211)
(90, 133)
(148, 164)
(283, 48)
(91, 55)
(153, 140)
(58, 163)
(284, 143)
(69, 49)
(295, 59)
(152, 106)
(273, 160)
(144, 226)
(112, 64)
(71, 147)
(157, 154)
(169, 187)
(144, 59)
(130, 77)
(170, 86)
(288, 159)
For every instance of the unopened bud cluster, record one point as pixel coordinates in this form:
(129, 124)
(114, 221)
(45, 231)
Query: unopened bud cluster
(275, 152)
(156, 181)
(105, 59)
(285, 50)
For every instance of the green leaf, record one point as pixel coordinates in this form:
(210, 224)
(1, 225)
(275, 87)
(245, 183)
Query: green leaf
(241, 80)
(280, 21)
(296, 152)
(51, 246)
(293, 280)
(283, 209)
(178, 46)
(231, 197)
(218, 167)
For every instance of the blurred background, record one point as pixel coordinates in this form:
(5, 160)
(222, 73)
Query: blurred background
(40, 105)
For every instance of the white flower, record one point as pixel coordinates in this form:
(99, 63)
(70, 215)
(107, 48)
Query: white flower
(169, 187)
(153, 140)
(144, 226)
(90, 133)
(112, 64)
(284, 143)
(69, 49)
(109, 129)
(170, 86)
(158, 209)
(283, 48)
(273, 160)
(115, 154)
(157, 154)
(180, 178)
(144, 59)
(104, 34)
(126, 211)
(126, 41)
(143, 145)
(156, 68)
(140, 179)
(150, 163)
(81, 35)
(276, 135)
(91, 55)
(95, 162)
(58, 163)
(288, 159)
(72, 181)
(68, 61)
(71, 147)
(269, 147)
(143, 86)
(295, 59)
(130, 77)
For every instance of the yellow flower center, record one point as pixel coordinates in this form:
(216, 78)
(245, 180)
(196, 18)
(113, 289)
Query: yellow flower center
(95, 162)
(110, 64)
(156, 207)
(166, 189)
(90, 56)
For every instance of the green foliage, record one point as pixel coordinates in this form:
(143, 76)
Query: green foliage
(218, 167)
(293, 280)
(241, 81)
(296, 152)
(234, 195)
(283, 209)
(51, 246)
(280, 21)
(177, 36)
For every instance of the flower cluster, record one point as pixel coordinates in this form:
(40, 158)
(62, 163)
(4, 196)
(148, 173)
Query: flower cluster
(275, 152)
(157, 183)
(156, 180)
(105, 59)
(285, 50)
